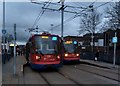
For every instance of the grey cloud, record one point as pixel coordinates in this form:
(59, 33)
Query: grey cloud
(25, 13)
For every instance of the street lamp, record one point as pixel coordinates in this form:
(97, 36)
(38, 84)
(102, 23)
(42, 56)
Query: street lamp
(62, 20)
(52, 28)
(62, 16)
(93, 28)
(37, 30)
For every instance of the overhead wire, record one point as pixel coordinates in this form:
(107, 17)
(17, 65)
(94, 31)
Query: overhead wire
(41, 13)
(71, 18)
(65, 5)
(75, 16)
(74, 9)
(70, 6)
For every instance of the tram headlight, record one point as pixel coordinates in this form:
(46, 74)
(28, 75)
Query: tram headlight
(37, 57)
(77, 54)
(58, 57)
(66, 55)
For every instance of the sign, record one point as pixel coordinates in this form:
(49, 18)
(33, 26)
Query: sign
(75, 42)
(100, 42)
(80, 43)
(114, 40)
(54, 38)
(68, 42)
(96, 43)
(45, 37)
(11, 45)
(83, 47)
(91, 43)
(3, 31)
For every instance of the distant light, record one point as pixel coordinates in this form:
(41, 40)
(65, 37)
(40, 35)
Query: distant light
(11, 45)
(75, 42)
(54, 38)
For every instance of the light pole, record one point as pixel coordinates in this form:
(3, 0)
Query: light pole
(14, 49)
(62, 17)
(3, 30)
(93, 28)
(62, 21)
(52, 28)
(114, 59)
(37, 30)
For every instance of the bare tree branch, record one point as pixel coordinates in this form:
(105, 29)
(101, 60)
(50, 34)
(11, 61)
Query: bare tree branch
(113, 12)
(89, 20)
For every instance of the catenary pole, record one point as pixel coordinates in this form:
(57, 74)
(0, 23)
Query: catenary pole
(114, 59)
(14, 49)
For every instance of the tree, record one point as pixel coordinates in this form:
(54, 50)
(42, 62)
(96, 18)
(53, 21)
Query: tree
(89, 22)
(113, 13)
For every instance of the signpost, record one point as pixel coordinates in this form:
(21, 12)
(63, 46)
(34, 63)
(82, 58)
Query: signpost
(114, 40)
(3, 32)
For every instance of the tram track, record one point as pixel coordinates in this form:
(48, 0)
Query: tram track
(41, 73)
(63, 75)
(45, 79)
(96, 74)
(103, 68)
(68, 77)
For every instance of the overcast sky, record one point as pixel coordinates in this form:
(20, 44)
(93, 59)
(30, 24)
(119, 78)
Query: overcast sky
(23, 14)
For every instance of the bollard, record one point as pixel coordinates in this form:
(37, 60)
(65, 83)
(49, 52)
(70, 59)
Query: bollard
(3, 58)
(23, 66)
(8, 56)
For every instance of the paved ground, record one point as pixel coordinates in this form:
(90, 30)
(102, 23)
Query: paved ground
(0, 69)
(102, 64)
(8, 76)
(81, 73)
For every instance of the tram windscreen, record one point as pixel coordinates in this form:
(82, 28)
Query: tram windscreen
(70, 48)
(46, 44)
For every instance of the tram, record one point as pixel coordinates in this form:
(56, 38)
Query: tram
(43, 51)
(72, 51)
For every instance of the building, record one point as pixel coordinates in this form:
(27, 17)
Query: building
(109, 45)
(108, 35)
(102, 41)
(98, 41)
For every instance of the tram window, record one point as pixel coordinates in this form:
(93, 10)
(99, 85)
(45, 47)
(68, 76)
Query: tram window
(46, 45)
(39, 46)
(51, 47)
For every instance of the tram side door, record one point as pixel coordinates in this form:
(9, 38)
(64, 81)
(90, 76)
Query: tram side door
(32, 51)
